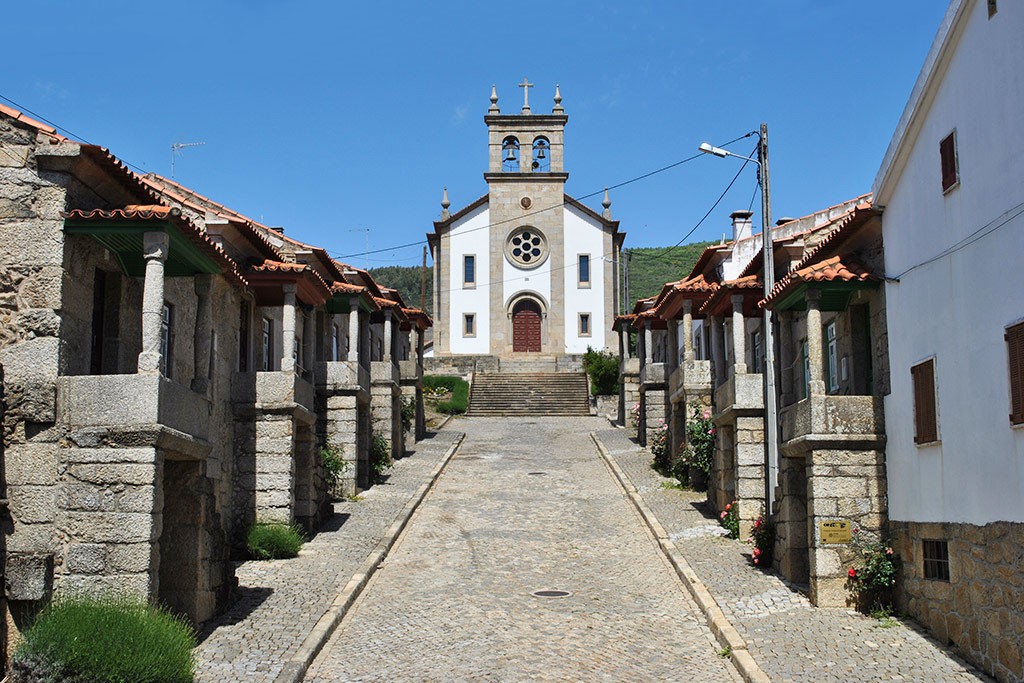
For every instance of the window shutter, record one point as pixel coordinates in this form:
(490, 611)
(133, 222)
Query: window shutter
(1015, 349)
(947, 152)
(925, 423)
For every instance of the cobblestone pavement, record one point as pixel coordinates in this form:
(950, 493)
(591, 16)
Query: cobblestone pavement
(788, 637)
(525, 505)
(283, 599)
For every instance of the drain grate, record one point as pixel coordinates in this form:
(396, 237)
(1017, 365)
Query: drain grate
(551, 594)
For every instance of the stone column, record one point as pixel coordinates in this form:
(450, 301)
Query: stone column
(688, 354)
(155, 246)
(288, 330)
(388, 336)
(308, 337)
(624, 333)
(814, 342)
(201, 342)
(648, 342)
(739, 336)
(718, 349)
(788, 356)
(419, 346)
(353, 333)
(672, 352)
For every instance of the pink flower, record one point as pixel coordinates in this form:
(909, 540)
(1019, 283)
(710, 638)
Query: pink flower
(852, 573)
(728, 506)
(888, 551)
(721, 516)
(757, 552)
(755, 560)
(707, 414)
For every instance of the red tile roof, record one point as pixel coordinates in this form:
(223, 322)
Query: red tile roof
(836, 269)
(20, 117)
(721, 299)
(135, 212)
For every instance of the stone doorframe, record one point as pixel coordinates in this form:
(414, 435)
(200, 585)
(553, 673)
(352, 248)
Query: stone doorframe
(545, 333)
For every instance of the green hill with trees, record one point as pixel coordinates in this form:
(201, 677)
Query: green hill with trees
(649, 269)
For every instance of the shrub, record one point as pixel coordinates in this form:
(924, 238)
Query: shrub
(681, 469)
(334, 466)
(272, 541)
(380, 455)
(730, 519)
(657, 444)
(408, 414)
(458, 387)
(873, 577)
(634, 418)
(105, 640)
(762, 537)
(700, 437)
(603, 369)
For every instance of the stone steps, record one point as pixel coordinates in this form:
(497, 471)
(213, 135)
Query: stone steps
(530, 394)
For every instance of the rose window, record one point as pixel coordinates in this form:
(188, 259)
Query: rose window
(527, 247)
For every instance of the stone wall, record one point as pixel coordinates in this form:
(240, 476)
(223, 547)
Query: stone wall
(980, 610)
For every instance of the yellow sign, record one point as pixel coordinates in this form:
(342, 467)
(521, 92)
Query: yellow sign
(835, 531)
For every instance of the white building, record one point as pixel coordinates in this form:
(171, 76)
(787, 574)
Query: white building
(952, 189)
(525, 270)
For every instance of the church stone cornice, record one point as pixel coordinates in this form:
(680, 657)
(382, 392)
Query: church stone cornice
(526, 120)
(525, 177)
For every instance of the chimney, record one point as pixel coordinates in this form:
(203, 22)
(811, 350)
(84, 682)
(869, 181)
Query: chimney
(742, 228)
(278, 229)
(784, 220)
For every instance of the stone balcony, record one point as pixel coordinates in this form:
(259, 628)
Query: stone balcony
(823, 421)
(178, 417)
(385, 371)
(410, 370)
(742, 393)
(629, 366)
(690, 378)
(346, 376)
(654, 374)
(273, 391)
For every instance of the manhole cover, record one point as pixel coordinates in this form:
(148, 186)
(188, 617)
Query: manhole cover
(536, 474)
(551, 594)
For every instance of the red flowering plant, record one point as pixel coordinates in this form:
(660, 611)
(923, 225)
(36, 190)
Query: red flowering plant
(762, 537)
(730, 519)
(657, 444)
(873, 576)
(700, 437)
(634, 418)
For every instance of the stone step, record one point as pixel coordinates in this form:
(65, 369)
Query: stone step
(529, 393)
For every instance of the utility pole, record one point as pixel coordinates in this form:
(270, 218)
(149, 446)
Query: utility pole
(771, 408)
(423, 282)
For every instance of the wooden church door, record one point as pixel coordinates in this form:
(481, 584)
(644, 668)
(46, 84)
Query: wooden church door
(526, 327)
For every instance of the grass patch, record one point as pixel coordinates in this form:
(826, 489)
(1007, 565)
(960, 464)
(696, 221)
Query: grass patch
(725, 652)
(105, 640)
(456, 386)
(675, 486)
(268, 541)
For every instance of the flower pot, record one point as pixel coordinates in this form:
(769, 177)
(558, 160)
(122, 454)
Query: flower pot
(698, 479)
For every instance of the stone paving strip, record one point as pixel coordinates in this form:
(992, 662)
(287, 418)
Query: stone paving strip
(526, 505)
(287, 605)
(788, 639)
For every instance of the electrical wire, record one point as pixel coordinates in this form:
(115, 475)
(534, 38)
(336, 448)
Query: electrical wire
(980, 233)
(61, 128)
(552, 207)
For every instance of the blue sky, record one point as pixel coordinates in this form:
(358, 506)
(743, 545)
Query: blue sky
(329, 117)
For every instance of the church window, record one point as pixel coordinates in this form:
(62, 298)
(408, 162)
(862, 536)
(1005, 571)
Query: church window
(469, 270)
(584, 270)
(584, 324)
(526, 247)
(469, 325)
(541, 155)
(510, 155)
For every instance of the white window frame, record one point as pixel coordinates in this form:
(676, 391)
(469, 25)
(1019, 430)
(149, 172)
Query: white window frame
(580, 282)
(468, 284)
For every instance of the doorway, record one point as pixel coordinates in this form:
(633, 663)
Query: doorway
(526, 323)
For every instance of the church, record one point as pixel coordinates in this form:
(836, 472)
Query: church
(525, 271)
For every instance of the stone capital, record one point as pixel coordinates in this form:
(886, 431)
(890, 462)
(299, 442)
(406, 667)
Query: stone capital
(155, 245)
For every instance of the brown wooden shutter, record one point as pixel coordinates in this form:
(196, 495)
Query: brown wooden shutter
(1015, 349)
(947, 152)
(925, 423)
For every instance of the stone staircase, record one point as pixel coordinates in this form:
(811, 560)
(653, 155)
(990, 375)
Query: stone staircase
(529, 394)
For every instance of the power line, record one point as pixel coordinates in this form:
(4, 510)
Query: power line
(980, 233)
(555, 206)
(28, 111)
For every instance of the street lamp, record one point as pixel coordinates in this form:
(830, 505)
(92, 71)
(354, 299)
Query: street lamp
(771, 409)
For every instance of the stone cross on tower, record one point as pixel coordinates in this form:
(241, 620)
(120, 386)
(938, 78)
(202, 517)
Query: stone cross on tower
(526, 85)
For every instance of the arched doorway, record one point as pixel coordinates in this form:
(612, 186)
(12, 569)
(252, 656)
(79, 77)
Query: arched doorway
(526, 320)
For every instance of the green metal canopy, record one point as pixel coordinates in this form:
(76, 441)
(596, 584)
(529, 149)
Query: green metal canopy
(125, 240)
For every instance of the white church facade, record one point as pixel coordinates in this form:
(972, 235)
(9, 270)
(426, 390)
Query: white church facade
(525, 271)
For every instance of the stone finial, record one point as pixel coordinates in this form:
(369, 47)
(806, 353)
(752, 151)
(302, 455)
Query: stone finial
(558, 108)
(607, 204)
(445, 203)
(493, 109)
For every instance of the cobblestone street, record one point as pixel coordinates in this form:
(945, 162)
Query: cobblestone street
(524, 506)
(790, 639)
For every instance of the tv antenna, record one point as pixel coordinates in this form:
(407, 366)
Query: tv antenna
(176, 148)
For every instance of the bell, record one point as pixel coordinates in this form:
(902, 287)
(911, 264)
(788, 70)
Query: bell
(510, 155)
(541, 154)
